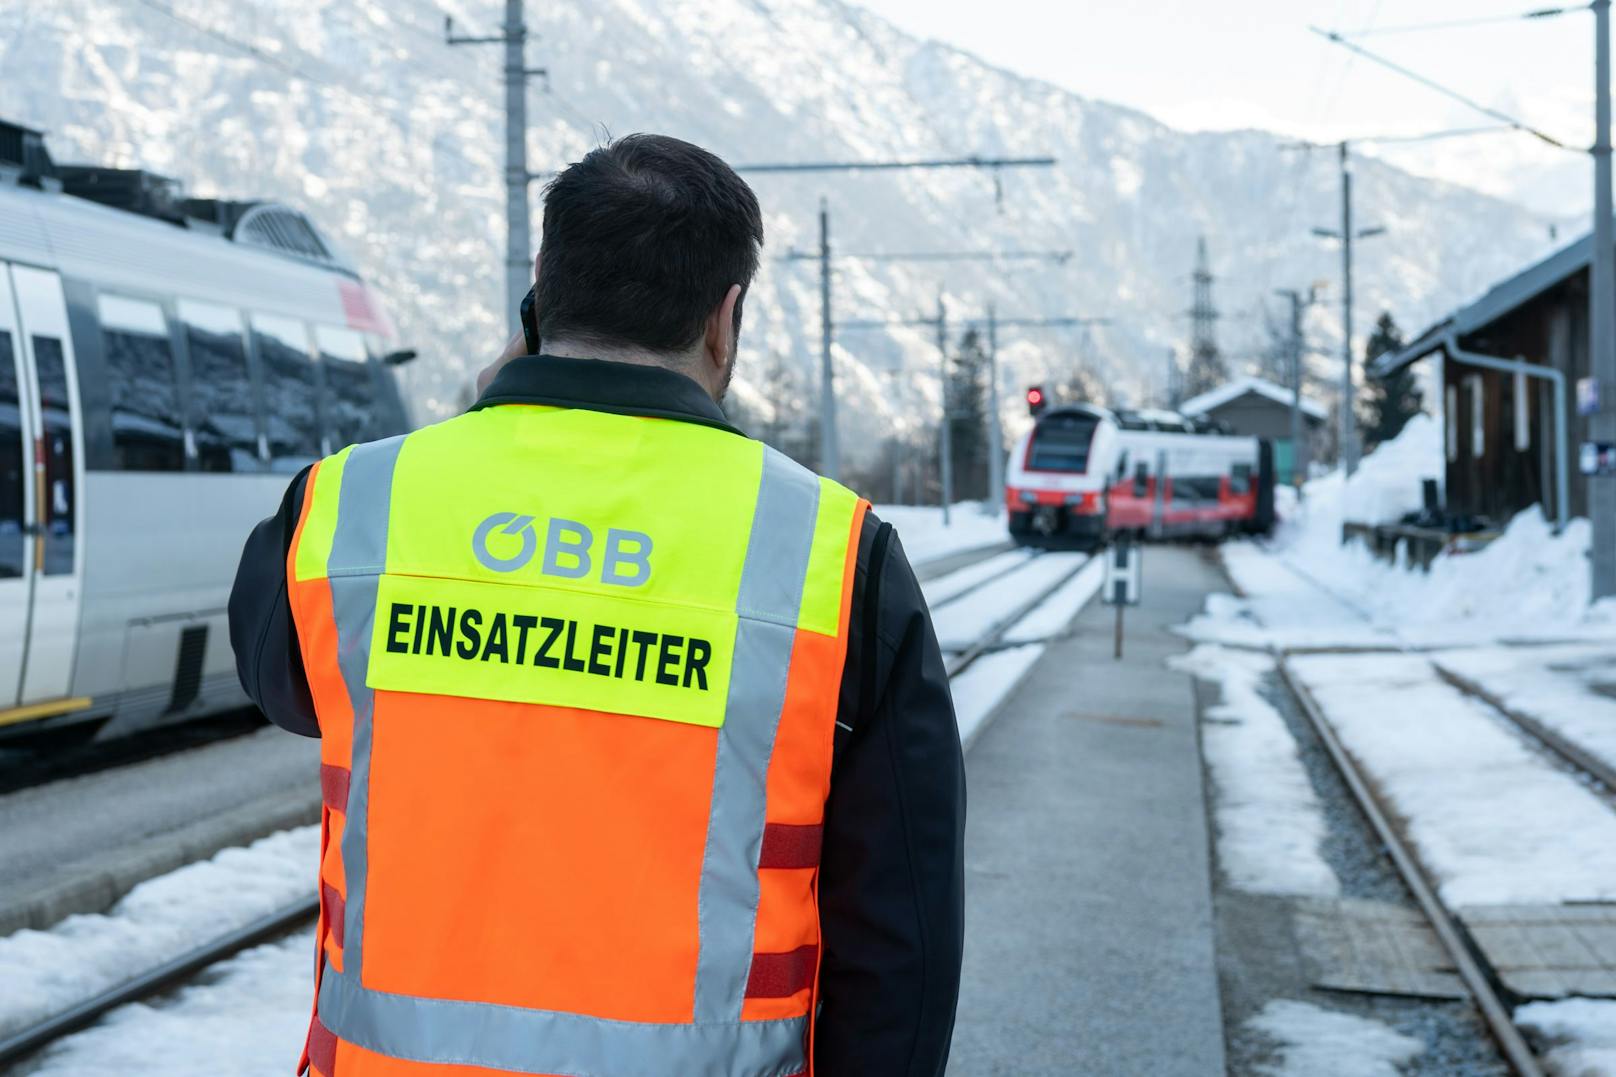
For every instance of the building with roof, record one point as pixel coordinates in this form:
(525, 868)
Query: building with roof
(1257, 407)
(1505, 443)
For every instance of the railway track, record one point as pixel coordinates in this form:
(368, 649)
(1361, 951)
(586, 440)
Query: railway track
(1481, 980)
(177, 971)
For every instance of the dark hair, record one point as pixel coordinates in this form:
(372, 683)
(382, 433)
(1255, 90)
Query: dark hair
(642, 239)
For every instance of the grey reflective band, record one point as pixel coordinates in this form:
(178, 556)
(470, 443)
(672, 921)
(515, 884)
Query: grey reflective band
(768, 603)
(358, 558)
(521, 1040)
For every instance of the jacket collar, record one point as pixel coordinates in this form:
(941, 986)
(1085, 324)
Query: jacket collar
(602, 385)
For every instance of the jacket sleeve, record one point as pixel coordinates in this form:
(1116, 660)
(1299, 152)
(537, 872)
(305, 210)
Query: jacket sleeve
(268, 659)
(891, 886)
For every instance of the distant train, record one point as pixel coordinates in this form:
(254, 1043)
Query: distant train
(1083, 474)
(166, 364)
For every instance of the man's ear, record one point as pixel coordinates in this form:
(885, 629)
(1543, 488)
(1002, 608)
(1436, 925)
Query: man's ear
(719, 342)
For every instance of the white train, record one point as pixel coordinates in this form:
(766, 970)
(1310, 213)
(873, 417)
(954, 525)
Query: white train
(165, 366)
(1082, 474)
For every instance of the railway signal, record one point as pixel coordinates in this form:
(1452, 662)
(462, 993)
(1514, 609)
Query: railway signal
(1036, 400)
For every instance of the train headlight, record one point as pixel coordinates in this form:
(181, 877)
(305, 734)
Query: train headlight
(1029, 496)
(1074, 499)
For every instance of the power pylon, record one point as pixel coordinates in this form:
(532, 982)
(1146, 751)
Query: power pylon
(1206, 370)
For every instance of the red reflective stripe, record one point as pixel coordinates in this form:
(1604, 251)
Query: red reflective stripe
(334, 786)
(322, 1049)
(788, 845)
(335, 908)
(782, 975)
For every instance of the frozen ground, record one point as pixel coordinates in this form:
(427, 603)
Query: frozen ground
(1316, 1042)
(959, 624)
(1270, 824)
(43, 972)
(945, 589)
(1492, 818)
(245, 1017)
(1567, 689)
(925, 538)
(1579, 1034)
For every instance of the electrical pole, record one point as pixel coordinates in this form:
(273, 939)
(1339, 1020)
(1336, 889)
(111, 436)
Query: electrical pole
(829, 449)
(995, 434)
(1299, 445)
(518, 232)
(1206, 364)
(946, 443)
(1602, 317)
(1349, 420)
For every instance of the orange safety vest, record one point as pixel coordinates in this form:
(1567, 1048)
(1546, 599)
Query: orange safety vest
(577, 677)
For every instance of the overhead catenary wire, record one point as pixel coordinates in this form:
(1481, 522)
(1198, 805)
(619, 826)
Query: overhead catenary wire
(1459, 24)
(1445, 91)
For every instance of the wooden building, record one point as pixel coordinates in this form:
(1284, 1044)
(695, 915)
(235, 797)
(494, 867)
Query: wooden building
(1256, 407)
(1499, 427)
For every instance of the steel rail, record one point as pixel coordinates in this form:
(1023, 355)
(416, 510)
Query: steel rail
(155, 980)
(989, 639)
(1477, 976)
(984, 581)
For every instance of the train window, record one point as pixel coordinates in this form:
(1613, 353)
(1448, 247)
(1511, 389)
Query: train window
(1061, 443)
(1240, 479)
(50, 365)
(222, 412)
(351, 400)
(147, 427)
(291, 398)
(11, 464)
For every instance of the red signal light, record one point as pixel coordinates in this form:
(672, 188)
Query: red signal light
(1035, 399)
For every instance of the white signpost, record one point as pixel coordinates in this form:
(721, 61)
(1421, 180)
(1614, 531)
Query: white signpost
(1122, 572)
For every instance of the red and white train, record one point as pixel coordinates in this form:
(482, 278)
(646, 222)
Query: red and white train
(1083, 474)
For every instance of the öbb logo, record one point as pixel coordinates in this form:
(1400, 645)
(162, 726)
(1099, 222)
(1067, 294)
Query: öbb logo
(625, 559)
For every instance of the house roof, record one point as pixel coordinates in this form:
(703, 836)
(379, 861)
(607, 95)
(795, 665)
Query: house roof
(1496, 302)
(1233, 390)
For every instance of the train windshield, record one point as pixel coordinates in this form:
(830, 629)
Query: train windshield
(1061, 442)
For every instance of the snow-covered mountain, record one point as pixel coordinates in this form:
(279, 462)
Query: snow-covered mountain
(356, 111)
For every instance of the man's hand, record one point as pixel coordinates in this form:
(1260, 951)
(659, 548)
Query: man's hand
(515, 346)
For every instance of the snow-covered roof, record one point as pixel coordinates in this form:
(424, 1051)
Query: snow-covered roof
(1497, 301)
(1233, 390)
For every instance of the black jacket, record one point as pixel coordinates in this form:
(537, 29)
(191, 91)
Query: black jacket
(891, 886)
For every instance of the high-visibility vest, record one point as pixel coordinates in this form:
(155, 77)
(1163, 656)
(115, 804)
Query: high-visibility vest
(576, 676)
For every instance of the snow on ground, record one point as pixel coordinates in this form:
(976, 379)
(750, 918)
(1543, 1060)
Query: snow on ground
(959, 624)
(926, 539)
(1315, 1042)
(1490, 816)
(945, 589)
(980, 689)
(1529, 583)
(1280, 607)
(1580, 1034)
(1056, 612)
(1564, 688)
(44, 972)
(1270, 824)
(245, 1017)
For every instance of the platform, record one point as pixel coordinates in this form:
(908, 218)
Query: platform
(1089, 925)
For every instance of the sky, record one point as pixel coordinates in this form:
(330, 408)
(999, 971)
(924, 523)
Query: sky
(1254, 63)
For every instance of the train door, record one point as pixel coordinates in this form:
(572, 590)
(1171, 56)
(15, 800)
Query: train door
(16, 490)
(52, 453)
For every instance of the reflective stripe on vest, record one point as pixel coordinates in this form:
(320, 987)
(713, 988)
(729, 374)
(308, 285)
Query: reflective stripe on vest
(794, 579)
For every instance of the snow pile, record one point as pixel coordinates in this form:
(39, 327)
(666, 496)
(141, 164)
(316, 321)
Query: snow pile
(44, 972)
(1315, 1042)
(1528, 583)
(1270, 824)
(1580, 1033)
(245, 1017)
(926, 538)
